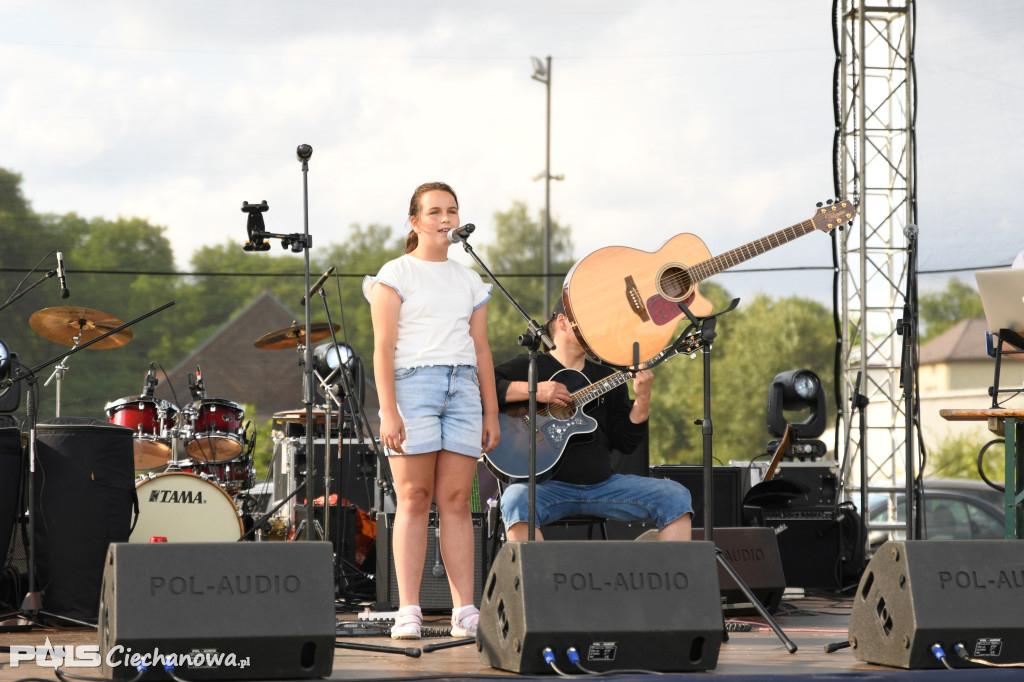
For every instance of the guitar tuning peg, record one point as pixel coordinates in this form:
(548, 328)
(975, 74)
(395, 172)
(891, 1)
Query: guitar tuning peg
(829, 202)
(818, 204)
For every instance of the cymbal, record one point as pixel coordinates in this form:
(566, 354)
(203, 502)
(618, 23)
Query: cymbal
(289, 337)
(299, 416)
(63, 324)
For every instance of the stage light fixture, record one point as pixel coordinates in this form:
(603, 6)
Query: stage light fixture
(10, 397)
(330, 359)
(796, 391)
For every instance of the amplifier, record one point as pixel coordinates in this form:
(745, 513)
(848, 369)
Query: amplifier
(725, 488)
(435, 593)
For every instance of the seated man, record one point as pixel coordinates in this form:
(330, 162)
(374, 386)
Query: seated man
(583, 480)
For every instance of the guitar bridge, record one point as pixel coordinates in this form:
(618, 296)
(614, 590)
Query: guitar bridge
(636, 302)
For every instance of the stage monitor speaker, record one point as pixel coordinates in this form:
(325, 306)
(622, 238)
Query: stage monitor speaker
(916, 594)
(620, 605)
(84, 485)
(725, 487)
(267, 608)
(754, 554)
(435, 593)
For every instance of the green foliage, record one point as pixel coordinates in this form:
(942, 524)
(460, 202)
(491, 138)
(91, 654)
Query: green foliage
(110, 261)
(940, 311)
(519, 250)
(756, 341)
(957, 457)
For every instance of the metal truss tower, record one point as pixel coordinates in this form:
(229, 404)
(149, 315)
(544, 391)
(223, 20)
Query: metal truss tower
(875, 98)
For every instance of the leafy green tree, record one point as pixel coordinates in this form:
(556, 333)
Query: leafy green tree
(516, 257)
(760, 338)
(940, 311)
(957, 457)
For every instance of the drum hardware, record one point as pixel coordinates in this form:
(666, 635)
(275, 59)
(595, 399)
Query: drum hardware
(91, 332)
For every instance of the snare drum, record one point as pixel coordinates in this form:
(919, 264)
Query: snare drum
(152, 420)
(182, 507)
(234, 476)
(216, 431)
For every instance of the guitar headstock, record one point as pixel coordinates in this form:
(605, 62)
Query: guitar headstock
(833, 214)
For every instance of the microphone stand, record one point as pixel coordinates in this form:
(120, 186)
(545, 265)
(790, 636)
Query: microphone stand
(296, 242)
(48, 275)
(531, 340)
(705, 328)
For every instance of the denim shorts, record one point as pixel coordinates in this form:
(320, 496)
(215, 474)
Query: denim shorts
(441, 408)
(623, 497)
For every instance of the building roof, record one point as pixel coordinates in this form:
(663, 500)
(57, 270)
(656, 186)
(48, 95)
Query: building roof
(963, 342)
(235, 370)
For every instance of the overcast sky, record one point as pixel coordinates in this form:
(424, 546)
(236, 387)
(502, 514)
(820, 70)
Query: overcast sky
(667, 117)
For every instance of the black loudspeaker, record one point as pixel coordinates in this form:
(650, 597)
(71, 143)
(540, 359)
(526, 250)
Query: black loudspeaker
(84, 483)
(222, 610)
(620, 605)
(10, 484)
(726, 483)
(435, 593)
(916, 594)
(810, 544)
(754, 554)
(353, 470)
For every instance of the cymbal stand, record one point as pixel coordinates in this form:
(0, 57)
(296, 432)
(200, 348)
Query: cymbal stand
(705, 328)
(531, 340)
(60, 370)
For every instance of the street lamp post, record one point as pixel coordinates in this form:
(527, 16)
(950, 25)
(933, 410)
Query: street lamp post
(542, 74)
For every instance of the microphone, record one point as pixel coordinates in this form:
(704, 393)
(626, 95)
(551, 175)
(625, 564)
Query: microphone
(438, 569)
(151, 381)
(303, 152)
(461, 234)
(62, 275)
(318, 285)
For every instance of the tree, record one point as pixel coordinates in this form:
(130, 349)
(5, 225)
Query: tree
(756, 341)
(940, 311)
(517, 256)
(957, 457)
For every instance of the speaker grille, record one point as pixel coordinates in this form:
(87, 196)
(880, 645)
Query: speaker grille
(435, 594)
(725, 489)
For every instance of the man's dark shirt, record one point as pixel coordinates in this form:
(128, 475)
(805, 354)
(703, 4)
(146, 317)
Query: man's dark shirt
(588, 457)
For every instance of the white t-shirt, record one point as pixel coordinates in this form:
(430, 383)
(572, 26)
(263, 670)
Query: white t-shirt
(437, 301)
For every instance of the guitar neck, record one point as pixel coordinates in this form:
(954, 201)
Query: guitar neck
(722, 262)
(585, 395)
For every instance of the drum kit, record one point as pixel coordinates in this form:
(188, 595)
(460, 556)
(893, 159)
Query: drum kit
(195, 498)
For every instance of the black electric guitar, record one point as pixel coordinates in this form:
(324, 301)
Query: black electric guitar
(556, 424)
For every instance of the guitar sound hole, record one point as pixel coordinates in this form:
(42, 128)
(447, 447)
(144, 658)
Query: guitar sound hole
(675, 283)
(561, 412)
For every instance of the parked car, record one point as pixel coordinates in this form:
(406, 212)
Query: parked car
(953, 510)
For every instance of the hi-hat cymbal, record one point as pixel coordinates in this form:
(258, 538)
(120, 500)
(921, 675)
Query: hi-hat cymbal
(63, 324)
(289, 337)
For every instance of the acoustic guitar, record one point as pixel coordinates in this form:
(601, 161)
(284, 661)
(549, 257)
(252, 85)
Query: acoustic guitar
(556, 424)
(619, 296)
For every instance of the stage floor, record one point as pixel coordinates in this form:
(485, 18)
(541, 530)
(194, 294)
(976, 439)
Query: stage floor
(812, 622)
